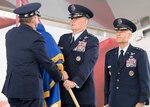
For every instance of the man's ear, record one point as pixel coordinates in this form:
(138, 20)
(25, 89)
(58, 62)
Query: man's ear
(130, 33)
(32, 19)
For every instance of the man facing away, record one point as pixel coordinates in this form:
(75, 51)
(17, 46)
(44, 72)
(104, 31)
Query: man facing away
(25, 50)
(127, 70)
(80, 50)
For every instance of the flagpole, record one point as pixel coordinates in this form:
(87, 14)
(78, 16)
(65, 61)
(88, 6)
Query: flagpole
(73, 98)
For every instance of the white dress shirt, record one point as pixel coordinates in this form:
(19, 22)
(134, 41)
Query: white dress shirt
(124, 50)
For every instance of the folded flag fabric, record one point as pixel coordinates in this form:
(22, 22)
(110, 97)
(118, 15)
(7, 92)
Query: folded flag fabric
(51, 89)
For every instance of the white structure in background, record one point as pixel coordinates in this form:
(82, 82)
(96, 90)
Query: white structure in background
(141, 38)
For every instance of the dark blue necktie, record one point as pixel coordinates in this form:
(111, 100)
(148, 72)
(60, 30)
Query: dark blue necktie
(72, 40)
(120, 60)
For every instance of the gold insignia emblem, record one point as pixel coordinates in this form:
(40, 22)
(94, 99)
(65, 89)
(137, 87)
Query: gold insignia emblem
(131, 73)
(78, 58)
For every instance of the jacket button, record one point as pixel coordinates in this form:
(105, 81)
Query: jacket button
(117, 80)
(117, 88)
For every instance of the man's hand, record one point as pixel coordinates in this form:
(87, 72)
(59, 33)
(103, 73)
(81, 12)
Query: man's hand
(69, 84)
(64, 76)
(139, 105)
(106, 105)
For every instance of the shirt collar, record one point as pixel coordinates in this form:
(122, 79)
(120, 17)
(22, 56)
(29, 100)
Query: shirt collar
(77, 35)
(124, 49)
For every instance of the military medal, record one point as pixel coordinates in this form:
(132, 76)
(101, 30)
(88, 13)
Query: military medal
(81, 46)
(131, 73)
(131, 62)
(78, 58)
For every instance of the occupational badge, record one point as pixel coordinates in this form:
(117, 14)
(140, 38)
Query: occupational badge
(85, 38)
(131, 73)
(131, 62)
(132, 53)
(78, 58)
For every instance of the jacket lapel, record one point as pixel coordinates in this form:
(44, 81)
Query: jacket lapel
(115, 58)
(67, 42)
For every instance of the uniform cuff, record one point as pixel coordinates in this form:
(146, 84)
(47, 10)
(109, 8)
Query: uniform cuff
(78, 81)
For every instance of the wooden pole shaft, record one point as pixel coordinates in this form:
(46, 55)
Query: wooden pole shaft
(73, 98)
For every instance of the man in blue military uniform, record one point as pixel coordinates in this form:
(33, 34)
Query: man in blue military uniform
(127, 70)
(80, 50)
(25, 53)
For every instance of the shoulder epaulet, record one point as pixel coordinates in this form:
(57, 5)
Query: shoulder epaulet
(137, 48)
(112, 49)
(91, 35)
(38, 32)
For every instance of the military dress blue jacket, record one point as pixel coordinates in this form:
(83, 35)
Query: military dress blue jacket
(130, 83)
(80, 58)
(25, 50)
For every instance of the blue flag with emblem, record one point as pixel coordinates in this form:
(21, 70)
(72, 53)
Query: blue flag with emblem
(51, 89)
